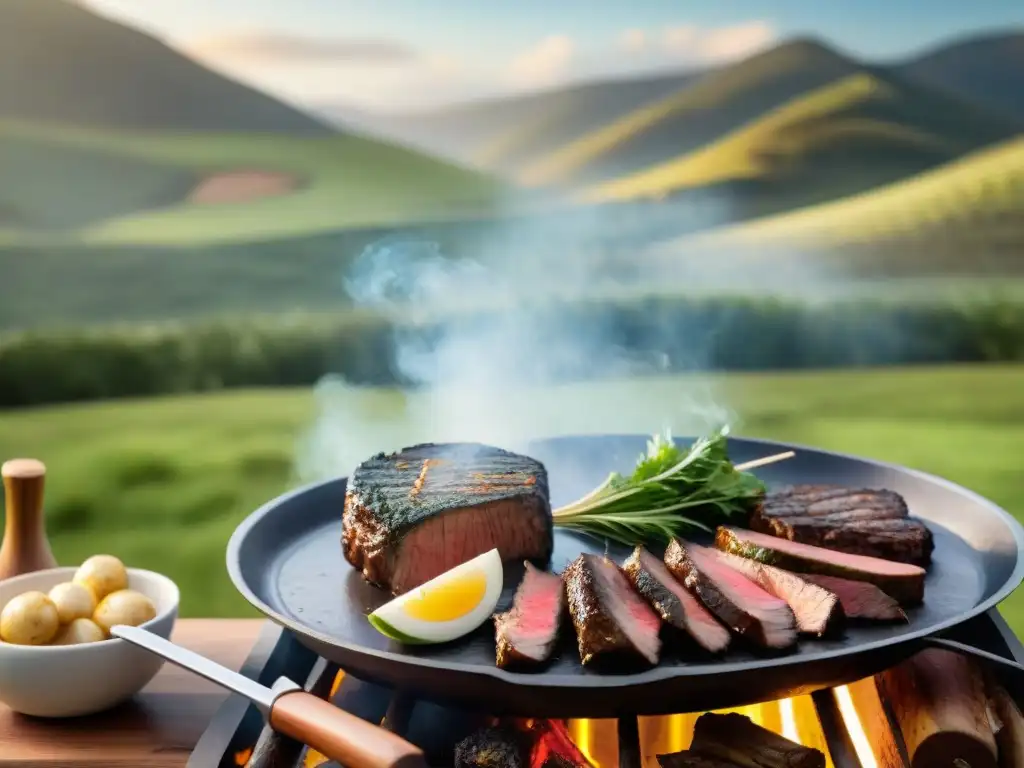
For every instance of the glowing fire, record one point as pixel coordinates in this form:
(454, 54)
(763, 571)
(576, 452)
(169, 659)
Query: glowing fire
(794, 718)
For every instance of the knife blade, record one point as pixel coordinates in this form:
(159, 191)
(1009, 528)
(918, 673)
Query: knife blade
(289, 710)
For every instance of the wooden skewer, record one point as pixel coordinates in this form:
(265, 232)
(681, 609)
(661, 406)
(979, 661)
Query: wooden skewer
(765, 460)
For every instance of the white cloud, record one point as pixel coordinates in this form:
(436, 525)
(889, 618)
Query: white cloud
(633, 40)
(266, 47)
(718, 44)
(544, 64)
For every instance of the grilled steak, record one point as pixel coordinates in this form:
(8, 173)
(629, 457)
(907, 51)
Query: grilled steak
(497, 747)
(747, 609)
(412, 515)
(527, 633)
(860, 600)
(740, 741)
(902, 581)
(612, 621)
(817, 610)
(857, 521)
(670, 600)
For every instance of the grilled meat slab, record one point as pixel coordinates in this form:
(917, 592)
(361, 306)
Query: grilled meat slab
(673, 603)
(860, 600)
(526, 634)
(817, 611)
(858, 521)
(612, 621)
(412, 515)
(495, 747)
(748, 610)
(902, 581)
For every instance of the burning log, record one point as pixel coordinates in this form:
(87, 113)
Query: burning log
(738, 740)
(1010, 736)
(874, 722)
(939, 702)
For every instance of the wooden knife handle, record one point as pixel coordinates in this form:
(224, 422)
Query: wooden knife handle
(341, 736)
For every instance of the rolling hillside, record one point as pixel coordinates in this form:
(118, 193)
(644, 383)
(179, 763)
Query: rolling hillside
(697, 114)
(987, 70)
(964, 216)
(861, 131)
(108, 135)
(503, 133)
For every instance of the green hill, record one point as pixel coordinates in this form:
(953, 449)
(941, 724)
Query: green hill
(695, 115)
(326, 183)
(964, 216)
(109, 136)
(74, 66)
(987, 70)
(861, 131)
(502, 133)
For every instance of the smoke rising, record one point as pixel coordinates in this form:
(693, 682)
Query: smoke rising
(505, 367)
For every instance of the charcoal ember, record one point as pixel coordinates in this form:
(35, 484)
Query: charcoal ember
(498, 746)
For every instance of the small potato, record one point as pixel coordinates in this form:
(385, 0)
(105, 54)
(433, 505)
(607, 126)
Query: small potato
(79, 631)
(29, 619)
(73, 601)
(102, 574)
(126, 606)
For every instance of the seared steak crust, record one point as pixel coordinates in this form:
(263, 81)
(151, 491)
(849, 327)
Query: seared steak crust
(858, 521)
(612, 622)
(412, 515)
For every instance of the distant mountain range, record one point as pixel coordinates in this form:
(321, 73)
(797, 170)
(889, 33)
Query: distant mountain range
(800, 122)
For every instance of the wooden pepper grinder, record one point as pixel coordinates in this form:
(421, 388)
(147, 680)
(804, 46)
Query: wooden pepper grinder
(25, 547)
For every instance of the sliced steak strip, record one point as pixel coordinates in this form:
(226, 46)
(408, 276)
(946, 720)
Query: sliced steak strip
(526, 634)
(743, 743)
(412, 515)
(902, 581)
(670, 600)
(743, 606)
(905, 540)
(860, 600)
(817, 611)
(613, 623)
(858, 521)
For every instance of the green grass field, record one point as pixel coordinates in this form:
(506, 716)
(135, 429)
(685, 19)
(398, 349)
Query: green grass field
(343, 182)
(162, 483)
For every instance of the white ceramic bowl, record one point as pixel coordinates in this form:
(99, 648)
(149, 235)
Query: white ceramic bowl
(73, 680)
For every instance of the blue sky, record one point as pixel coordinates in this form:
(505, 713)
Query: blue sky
(400, 53)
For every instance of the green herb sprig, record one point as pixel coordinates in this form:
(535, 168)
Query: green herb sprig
(652, 504)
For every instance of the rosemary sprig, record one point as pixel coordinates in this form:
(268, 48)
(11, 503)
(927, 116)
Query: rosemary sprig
(670, 491)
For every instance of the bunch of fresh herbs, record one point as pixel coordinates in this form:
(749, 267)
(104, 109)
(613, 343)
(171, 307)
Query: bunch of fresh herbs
(668, 488)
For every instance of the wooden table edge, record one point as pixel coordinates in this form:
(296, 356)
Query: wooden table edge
(157, 729)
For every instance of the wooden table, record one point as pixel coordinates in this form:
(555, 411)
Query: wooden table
(158, 729)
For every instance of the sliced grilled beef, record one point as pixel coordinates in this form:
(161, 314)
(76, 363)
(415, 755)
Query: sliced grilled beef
(613, 623)
(817, 610)
(860, 600)
(745, 744)
(858, 521)
(903, 581)
(412, 515)
(903, 540)
(670, 600)
(748, 610)
(496, 747)
(526, 635)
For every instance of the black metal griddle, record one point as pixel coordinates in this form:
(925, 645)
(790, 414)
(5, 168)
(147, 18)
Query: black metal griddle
(286, 560)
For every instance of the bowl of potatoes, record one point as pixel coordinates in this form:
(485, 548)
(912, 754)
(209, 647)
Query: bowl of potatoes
(57, 658)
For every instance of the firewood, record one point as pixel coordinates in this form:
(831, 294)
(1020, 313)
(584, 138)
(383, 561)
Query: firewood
(939, 701)
(736, 739)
